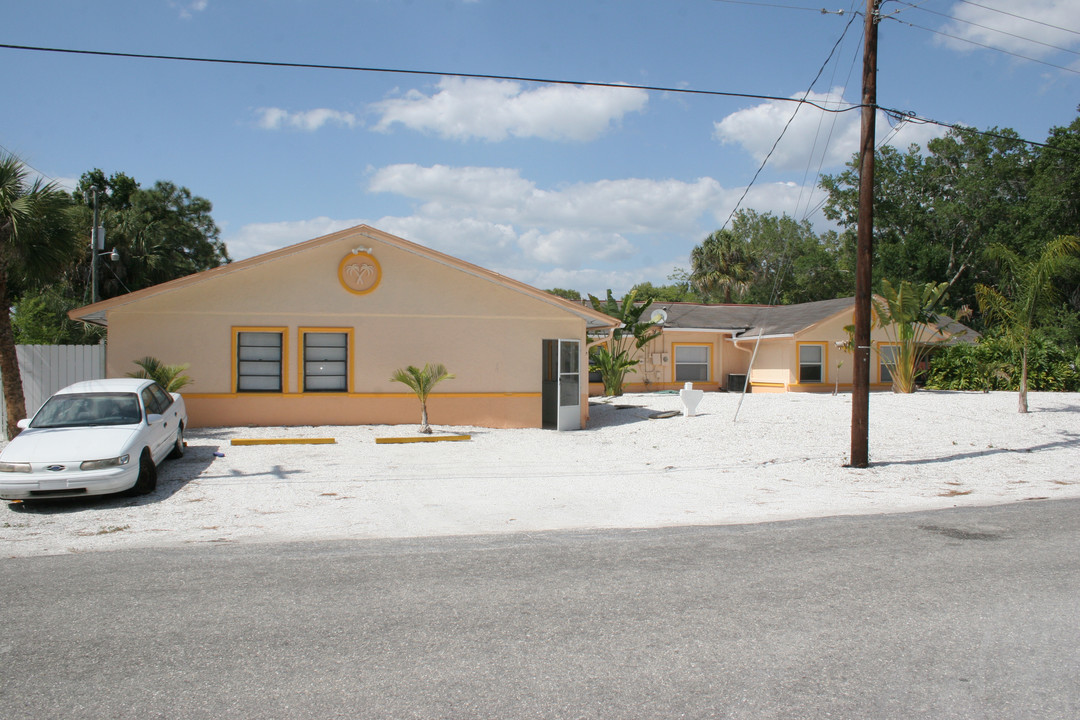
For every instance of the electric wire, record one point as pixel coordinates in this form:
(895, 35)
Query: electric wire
(822, 11)
(403, 71)
(650, 88)
(782, 268)
(982, 45)
(828, 140)
(790, 120)
(1019, 17)
(987, 27)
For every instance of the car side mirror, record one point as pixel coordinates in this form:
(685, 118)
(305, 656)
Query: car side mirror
(154, 418)
(23, 424)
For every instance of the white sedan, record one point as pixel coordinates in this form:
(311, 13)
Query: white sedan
(93, 438)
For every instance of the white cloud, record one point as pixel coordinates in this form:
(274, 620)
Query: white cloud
(494, 110)
(257, 238)
(308, 120)
(1029, 28)
(588, 236)
(502, 195)
(568, 247)
(815, 137)
(189, 8)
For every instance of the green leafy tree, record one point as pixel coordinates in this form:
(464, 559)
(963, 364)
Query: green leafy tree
(170, 377)
(907, 315)
(421, 381)
(40, 318)
(722, 266)
(565, 294)
(935, 212)
(678, 289)
(763, 258)
(161, 233)
(615, 359)
(1016, 305)
(36, 236)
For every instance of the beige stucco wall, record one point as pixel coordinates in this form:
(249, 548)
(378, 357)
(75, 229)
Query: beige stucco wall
(775, 367)
(488, 335)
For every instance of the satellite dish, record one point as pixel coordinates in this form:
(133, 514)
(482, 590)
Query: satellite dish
(659, 316)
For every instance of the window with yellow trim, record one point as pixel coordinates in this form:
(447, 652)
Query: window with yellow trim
(886, 361)
(811, 364)
(326, 361)
(691, 363)
(259, 361)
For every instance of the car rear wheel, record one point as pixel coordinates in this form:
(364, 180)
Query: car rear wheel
(147, 481)
(178, 446)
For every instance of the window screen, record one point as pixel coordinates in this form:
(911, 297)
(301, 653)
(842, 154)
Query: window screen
(691, 363)
(887, 356)
(811, 360)
(326, 362)
(258, 361)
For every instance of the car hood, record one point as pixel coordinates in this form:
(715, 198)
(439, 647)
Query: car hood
(67, 444)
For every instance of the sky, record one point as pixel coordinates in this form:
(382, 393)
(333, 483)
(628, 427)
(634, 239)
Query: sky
(557, 185)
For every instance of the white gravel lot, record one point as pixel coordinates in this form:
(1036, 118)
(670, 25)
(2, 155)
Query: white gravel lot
(782, 459)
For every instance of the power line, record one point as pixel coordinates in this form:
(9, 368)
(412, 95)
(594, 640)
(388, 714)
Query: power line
(982, 45)
(911, 116)
(987, 27)
(822, 11)
(1020, 17)
(790, 120)
(400, 71)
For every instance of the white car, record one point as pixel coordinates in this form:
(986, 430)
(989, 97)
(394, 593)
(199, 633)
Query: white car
(93, 438)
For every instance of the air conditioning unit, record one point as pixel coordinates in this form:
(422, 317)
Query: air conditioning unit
(736, 382)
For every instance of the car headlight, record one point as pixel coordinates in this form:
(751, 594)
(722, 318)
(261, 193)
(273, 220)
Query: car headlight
(102, 464)
(14, 467)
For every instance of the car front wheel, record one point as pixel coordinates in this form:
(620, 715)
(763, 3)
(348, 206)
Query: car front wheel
(147, 481)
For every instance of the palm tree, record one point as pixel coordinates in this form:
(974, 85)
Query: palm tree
(722, 263)
(170, 377)
(36, 239)
(1031, 290)
(906, 313)
(421, 381)
(614, 360)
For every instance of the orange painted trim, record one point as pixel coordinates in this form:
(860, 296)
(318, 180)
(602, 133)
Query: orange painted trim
(295, 396)
(301, 332)
(236, 330)
(353, 256)
(880, 360)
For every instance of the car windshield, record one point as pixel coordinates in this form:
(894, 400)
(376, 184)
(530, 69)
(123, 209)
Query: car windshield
(86, 409)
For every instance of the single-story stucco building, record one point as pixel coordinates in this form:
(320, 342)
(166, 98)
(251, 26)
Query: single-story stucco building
(310, 335)
(799, 348)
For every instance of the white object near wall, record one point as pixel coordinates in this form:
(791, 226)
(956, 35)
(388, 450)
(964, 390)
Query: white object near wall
(691, 398)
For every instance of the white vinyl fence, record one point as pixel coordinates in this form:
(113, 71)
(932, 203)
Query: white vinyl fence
(47, 368)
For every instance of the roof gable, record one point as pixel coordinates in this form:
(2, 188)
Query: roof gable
(362, 235)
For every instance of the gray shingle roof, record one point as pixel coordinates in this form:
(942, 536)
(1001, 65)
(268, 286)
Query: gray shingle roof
(773, 320)
(750, 319)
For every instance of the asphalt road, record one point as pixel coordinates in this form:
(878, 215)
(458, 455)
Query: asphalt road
(969, 613)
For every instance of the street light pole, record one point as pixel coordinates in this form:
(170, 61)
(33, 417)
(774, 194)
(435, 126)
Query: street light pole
(94, 250)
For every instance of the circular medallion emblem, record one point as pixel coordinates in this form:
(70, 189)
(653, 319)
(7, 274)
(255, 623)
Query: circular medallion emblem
(359, 272)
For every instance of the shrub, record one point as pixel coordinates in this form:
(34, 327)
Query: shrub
(991, 365)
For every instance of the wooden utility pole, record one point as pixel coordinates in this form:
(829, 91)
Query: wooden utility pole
(864, 252)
